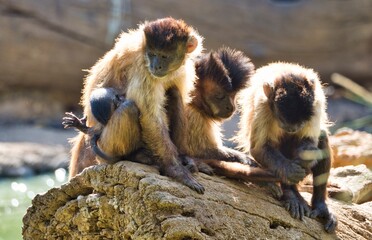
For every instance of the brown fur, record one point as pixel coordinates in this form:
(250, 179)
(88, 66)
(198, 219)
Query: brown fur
(225, 72)
(125, 68)
(284, 126)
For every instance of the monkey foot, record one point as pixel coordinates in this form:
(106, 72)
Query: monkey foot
(181, 174)
(275, 190)
(296, 205)
(189, 163)
(321, 211)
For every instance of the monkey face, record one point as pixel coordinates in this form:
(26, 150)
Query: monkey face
(221, 104)
(292, 112)
(161, 63)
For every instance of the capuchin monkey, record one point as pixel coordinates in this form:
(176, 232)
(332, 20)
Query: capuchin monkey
(141, 67)
(221, 75)
(284, 127)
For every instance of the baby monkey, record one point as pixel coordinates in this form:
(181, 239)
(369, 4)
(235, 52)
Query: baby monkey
(284, 126)
(103, 103)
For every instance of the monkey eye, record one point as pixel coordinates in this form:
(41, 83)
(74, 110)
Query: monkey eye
(164, 56)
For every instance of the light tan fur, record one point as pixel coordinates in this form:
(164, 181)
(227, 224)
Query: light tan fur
(203, 133)
(258, 125)
(125, 69)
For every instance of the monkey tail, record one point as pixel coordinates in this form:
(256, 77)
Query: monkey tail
(240, 171)
(100, 153)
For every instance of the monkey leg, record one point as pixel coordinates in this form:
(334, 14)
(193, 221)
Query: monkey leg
(176, 119)
(122, 134)
(82, 155)
(294, 202)
(320, 179)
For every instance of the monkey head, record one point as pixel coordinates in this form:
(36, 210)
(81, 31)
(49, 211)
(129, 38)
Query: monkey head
(291, 99)
(103, 102)
(221, 75)
(167, 42)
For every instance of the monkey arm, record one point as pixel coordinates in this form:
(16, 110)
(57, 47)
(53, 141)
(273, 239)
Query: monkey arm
(270, 157)
(156, 136)
(307, 153)
(176, 118)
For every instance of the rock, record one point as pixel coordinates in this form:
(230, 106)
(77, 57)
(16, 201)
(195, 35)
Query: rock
(27, 159)
(354, 179)
(132, 201)
(351, 148)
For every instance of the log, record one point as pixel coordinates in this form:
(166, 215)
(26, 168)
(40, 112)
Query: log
(132, 201)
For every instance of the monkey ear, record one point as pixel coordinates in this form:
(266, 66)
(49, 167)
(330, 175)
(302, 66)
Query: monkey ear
(267, 89)
(191, 44)
(312, 83)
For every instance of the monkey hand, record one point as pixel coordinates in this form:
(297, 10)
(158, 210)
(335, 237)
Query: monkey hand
(180, 173)
(236, 156)
(72, 121)
(291, 172)
(321, 210)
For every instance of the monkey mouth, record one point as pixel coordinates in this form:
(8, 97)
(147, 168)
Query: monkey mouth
(158, 75)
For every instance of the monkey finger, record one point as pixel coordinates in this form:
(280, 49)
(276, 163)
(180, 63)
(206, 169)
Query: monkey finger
(314, 213)
(294, 210)
(301, 213)
(287, 206)
(181, 174)
(331, 224)
(205, 168)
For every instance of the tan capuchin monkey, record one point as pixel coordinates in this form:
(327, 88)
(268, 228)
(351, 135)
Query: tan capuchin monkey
(221, 75)
(141, 67)
(284, 126)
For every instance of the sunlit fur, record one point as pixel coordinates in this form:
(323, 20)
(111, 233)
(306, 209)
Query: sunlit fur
(258, 125)
(125, 68)
(285, 128)
(225, 68)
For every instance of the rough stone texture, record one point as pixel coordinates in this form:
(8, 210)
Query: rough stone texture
(351, 148)
(132, 201)
(351, 184)
(354, 179)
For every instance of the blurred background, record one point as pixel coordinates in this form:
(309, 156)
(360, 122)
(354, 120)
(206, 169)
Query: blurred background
(46, 44)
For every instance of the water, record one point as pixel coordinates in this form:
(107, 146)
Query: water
(16, 195)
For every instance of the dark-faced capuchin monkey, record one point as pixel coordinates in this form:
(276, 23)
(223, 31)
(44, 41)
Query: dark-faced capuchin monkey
(141, 67)
(284, 126)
